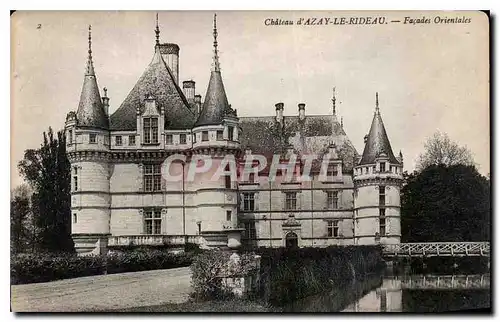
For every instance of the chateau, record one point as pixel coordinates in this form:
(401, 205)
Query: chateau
(120, 196)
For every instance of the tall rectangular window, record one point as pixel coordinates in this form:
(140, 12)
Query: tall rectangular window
(230, 133)
(75, 218)
(150, 130)
(131, 140)
(118, 140)
(194, 138)
(332, 199)
(75, 178)
(169, 139)
(249, 201)
(93, 138)
(333, 228)
(228, 215)
(382, 222)
(70, 137)
(152, 177)
(220, 135)
(152, 221)
(382, 167)
(182, 138)
(381, 195)
(204, 136)
(250, 231)
(290, 201)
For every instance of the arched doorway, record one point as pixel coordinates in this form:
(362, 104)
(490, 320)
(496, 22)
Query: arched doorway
(292, 240)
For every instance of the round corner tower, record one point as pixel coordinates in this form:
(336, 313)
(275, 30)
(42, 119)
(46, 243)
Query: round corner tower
(377, 183)
(87, 149)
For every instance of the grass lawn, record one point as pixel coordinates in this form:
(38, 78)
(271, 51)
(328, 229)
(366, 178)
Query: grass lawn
(208, 306)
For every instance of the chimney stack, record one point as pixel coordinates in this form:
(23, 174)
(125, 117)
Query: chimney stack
(188, 88)
(105, 101)
(170, 54)
(279, 111)
(302, 111)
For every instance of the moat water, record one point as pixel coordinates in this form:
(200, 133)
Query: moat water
(403, 293)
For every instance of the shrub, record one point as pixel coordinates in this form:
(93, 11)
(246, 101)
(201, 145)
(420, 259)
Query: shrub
(208, 268)
(290, 274)
(45, 267)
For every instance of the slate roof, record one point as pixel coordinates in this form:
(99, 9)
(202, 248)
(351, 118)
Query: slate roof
(215, 106)
(90, 112)
(377, 142)
(158, 81)
(313, 135)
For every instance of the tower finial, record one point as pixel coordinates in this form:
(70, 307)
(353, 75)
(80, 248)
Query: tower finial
(216, 52)
(334, 100)
(157, 31)
(90, 65)
(376, 103)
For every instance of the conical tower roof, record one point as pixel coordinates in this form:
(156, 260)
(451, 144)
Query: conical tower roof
(215, 106)
(377, 141)
(90, 111)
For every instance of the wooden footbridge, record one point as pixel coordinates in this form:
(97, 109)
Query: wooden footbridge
(458, 249)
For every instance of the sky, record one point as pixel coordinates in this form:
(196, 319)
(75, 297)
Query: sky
(430, 77)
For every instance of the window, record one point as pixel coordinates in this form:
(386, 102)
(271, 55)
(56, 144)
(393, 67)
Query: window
(228, 215)
(291, 201)
(70, 136)
(75, 219)
(93, 138)
(220, 135)
(248, 201)
(251, 177)
(382, 167)
(118, 140)
(204, 136)
(332, 171)
(194, 138)
(333, 228)
(152, 177)
(150, 130)
(230, 131)
(152, 221)
(183, 138)
(382, 222)
(332, 199)
(250, 231)
(131, 140)
(169, 139)
(75, 179)
(381, 195)
(198, 223)
(374, 169)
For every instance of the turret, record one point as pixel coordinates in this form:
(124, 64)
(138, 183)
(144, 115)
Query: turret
(88, 141)
(377, 182)
(216, 135)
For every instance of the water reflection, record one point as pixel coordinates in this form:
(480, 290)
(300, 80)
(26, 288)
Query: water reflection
(409, 293)
(426, 293)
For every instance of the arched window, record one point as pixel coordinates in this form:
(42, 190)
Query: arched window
(292, 240)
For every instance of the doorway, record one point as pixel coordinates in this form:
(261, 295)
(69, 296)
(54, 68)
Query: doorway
(291, 240)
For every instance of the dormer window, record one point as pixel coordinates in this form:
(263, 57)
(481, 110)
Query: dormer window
(230, 131)
(150, 130)
(220, 135)
(182, 138)
(118, 140)
(204, 136)
(333, 171)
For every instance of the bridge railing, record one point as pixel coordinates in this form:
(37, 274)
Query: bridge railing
(438, 249)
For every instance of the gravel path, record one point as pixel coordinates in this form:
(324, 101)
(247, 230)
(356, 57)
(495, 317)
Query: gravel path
(104, 292)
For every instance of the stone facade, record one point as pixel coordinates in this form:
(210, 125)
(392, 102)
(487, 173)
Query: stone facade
(120, 195)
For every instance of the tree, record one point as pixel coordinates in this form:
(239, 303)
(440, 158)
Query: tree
(19, 233)
(47, 170)
(439, 149)
(446, 203)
